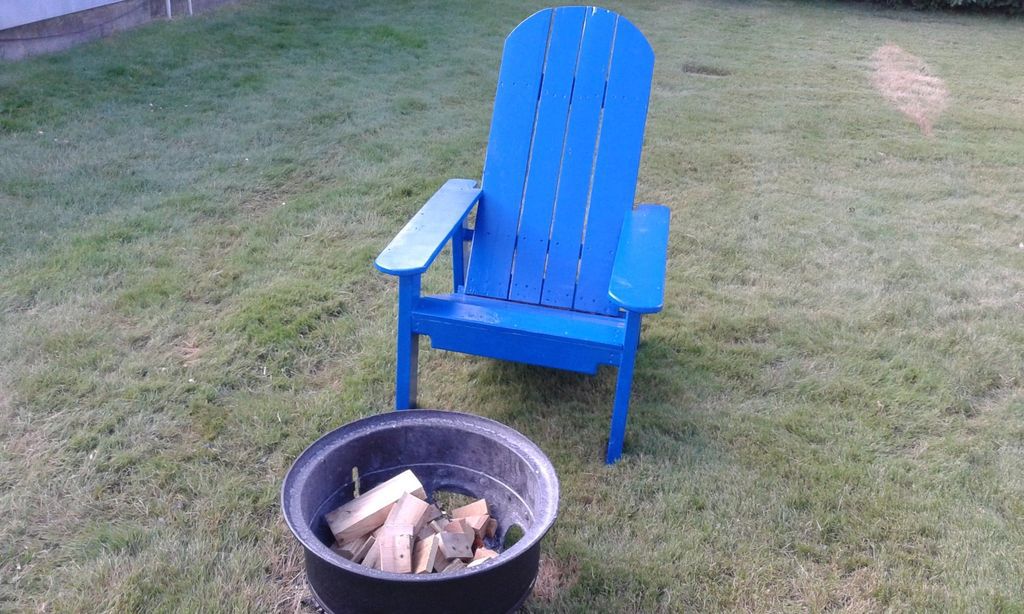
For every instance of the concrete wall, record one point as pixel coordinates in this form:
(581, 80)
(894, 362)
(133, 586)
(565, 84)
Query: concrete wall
(20, 13)
(66, 31)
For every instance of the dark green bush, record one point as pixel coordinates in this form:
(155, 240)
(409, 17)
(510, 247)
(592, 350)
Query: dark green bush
(996, 6)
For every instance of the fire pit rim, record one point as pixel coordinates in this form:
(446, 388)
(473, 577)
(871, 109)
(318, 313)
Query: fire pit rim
(545, 514)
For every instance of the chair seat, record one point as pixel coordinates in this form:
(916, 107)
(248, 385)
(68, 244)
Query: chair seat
(521, 332)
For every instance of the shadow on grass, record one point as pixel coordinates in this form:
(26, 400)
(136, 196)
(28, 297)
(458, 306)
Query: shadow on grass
(567, 411)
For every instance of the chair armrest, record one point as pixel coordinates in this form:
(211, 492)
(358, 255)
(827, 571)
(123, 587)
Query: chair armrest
(414, 247)
(638, 274)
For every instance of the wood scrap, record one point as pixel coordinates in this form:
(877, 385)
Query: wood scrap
(456, 545)
(476, 508)
(425, 555)
(396, 548)
(369, 511)
(393, 528)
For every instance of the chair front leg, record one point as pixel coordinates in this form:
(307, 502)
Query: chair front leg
(623, 388)
(408, 343)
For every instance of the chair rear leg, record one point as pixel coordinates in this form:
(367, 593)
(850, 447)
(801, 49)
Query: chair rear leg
(406, 371)
(623, 388)
(407, 361)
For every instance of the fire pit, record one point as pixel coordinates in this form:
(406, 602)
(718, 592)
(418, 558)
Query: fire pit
(448, 451)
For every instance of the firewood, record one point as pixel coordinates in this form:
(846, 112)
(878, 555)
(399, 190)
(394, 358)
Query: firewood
(426, 554)
(484, 553)
(477, 523)
(429, 515)
(372, 558)
(460, 525)
(476, 508)
(360, 554)
(408, 511)
(454, 566)
(396, 548)
(492, 528)
(350, 548)
(368, 511)
(456, 545)
(425, 533)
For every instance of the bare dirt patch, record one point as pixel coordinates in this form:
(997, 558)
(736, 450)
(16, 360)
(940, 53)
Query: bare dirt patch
(909, 85)
(554, 578)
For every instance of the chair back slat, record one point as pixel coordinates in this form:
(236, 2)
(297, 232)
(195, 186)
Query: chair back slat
(562, 159)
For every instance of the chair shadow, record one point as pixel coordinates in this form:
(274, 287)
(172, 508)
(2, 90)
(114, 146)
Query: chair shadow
(571, 411)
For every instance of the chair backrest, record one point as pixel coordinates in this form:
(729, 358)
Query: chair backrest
(562, 159)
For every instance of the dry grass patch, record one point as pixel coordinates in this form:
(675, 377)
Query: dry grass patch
(909, 85)
(555, 578)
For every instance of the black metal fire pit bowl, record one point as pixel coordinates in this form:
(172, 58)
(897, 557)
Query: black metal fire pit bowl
(447, 451)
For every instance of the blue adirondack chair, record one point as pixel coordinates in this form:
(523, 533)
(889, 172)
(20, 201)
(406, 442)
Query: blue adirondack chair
(561, 266)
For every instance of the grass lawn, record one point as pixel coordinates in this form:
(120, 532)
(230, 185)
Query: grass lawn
(828, 414)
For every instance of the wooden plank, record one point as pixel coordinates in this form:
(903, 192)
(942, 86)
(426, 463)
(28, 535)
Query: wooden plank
(578, 163)
(508, 151)
(350, 548)
(459, 525)
(482, 555)
(369, 511)
(476, 508)
(456, 545)
(396, 548)
(492, 528)
(409, 510)
(372, 558)
(364, 549)
(425, 554)
(454, 565)
(477, 523)
(432, 513)
(531, 246)
(425, 532)
(616, 165)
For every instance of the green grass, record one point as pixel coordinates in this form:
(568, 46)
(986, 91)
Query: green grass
(828, 414)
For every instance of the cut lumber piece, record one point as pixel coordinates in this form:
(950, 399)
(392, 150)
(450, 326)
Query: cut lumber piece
(408, 511)
(368, 511)
(455, 526)
(425, 533)
(454, 566)
(492, 528)
(476, 508)
(476, 562)
(440, 562)
(350, 548)
(425, 554)
(372, 558)
(456, 545)
(396, 548)
(439, 524)
(484, 553)
(363, 550)
(460, 526)
(431, 514)
(477, 523)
